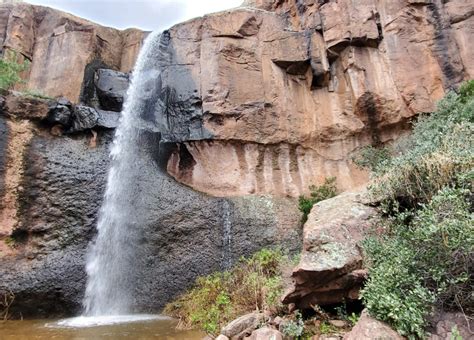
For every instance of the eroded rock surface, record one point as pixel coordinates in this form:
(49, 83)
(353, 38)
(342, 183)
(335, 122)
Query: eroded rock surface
(330, 269)
(244, 324)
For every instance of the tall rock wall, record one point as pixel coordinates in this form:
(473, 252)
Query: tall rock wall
(276, 97)
(62, 48)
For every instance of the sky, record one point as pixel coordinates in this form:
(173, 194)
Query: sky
(145, 14)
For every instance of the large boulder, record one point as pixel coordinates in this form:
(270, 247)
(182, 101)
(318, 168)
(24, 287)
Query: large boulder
(111, 87)
(85, 118)
(19, 106)
(330, 269)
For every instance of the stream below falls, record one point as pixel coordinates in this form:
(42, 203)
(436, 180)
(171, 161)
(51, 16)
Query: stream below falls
(153, 327)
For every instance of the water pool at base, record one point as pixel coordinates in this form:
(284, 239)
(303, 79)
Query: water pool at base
(97, 328)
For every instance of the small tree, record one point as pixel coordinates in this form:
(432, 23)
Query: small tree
(10, 70)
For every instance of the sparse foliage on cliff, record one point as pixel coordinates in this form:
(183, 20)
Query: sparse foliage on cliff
(317, 194)
(10, 70)
(253, 284)
(425, 259)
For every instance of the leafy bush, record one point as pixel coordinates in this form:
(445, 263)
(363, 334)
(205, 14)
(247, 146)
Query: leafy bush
(10, 70)
(425, 258)
(429, 261)
(294, 328)
(466, 91)
(253, 284)
(317, 194)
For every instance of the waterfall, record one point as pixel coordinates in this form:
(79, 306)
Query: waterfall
(227, 236)
(111, 263)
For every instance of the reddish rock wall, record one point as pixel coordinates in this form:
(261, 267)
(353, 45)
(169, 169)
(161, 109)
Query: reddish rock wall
(272, 97)
(284, 95)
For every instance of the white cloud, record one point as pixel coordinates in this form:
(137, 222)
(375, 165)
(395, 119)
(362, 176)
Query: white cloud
(145, 14)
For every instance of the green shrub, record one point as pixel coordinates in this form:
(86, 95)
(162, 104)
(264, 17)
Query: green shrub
(466, 91)
(253, 284)
(424, 263)
(10, 70)
(317, 194)
(294, 328)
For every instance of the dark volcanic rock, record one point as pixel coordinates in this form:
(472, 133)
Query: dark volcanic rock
(85, 117)
(111, 87)
(60, 112)
(64, 182)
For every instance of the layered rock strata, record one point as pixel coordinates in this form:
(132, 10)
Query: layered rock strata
(289, 90)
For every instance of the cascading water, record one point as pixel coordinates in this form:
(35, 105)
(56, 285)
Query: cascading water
(110, 262)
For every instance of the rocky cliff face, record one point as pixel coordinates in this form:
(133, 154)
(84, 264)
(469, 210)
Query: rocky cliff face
(63, 49)
(275, 98)
(263, 100)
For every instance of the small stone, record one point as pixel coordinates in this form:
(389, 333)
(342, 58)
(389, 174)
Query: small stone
(242, 324)
(222, 337)
(338, 323)
(266, 333)
(277, 321)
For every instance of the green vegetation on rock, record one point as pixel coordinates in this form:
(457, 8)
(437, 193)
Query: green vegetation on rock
(317, 194)
(253, 284)
(10, 70)
(424, 258)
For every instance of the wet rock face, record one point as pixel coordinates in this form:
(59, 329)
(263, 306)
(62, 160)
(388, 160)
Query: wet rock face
(43, 265)
(51, 214)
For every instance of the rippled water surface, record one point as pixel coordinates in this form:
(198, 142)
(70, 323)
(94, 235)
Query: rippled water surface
(144, 327)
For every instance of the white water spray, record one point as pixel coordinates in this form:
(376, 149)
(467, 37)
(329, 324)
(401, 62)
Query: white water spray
(111, 261)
